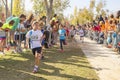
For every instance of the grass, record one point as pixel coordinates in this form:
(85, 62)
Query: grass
(70, 65)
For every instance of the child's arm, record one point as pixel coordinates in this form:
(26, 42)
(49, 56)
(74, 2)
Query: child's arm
(27, 42)
(27, 39)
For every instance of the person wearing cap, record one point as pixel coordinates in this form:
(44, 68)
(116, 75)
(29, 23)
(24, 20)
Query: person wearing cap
(35, 37)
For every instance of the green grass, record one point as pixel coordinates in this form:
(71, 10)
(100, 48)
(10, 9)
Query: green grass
(70, 65)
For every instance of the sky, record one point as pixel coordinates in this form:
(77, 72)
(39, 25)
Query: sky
(111, 5)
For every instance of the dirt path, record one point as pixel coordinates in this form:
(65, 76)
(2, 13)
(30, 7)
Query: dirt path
(105, 62)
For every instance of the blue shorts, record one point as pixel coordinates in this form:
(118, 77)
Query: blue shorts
(43, 42)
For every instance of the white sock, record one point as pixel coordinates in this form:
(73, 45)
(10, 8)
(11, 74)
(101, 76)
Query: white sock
(36, 66)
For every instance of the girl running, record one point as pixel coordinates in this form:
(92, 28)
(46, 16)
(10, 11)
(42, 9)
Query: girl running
(62, 37)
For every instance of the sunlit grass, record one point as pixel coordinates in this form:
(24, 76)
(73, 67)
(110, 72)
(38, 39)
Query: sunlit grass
(70, 65)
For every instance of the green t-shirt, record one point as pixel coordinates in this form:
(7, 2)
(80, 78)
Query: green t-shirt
(16, 19)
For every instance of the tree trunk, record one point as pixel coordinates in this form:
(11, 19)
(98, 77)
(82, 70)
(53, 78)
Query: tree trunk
(49, 9)
(6, 9)
(11, 6)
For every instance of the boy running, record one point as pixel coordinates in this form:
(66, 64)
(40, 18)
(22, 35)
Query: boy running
(35, 37)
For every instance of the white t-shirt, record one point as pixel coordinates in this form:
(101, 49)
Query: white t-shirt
(81, 32)
(35, 38)
(2, 33)
(20, 27)
(72, 32)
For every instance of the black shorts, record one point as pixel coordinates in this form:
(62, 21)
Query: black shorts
(22, 37)
(72, 36)
(38, 50)
(81, 36)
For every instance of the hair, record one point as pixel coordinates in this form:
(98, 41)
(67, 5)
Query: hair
(71, 25)
(22, 16)
(111, 16)
(41, 23)
(21, 21)
(62, 25)
(11, 22)
(30, 17)
(106, 18)
(110, 21)
(55, 15)
(43, 17)
(115, 21)
(1, 24)
(52, 23)
(34, 23)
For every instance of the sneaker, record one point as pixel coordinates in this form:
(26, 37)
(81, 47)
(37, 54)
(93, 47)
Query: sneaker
(19, 50)
(35, 70)
(15, 51)
(14, 43)
(10, 43)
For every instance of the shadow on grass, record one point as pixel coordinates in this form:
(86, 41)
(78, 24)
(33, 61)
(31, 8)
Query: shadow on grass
(20, 69)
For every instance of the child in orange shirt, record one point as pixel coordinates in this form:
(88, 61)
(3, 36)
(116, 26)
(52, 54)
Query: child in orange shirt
(110, 30)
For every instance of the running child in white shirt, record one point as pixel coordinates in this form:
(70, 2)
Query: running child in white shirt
(81, 33)
(35, 37)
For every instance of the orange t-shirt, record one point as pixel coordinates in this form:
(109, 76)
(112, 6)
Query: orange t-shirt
(106, 25)
(111, 28)
(102, 27)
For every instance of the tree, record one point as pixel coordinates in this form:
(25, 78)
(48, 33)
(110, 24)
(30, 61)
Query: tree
(100, 6)
(1, 6)
(39, 7)
(92, 4)
(49, 7)
(88, 14)
(60, 5)
(18, 7)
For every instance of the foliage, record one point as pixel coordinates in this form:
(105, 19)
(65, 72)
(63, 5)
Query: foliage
(88, 14)
(58, 6)
(18, 7)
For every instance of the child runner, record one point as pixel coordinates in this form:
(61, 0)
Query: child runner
(19, 36)
(2, 39)
(7, 27)
(81, 32)
(35, 37)
(62, 37)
